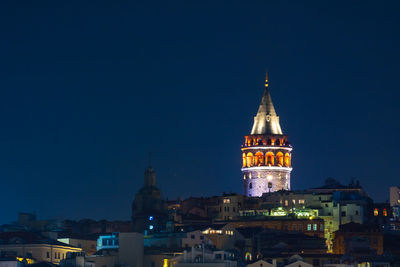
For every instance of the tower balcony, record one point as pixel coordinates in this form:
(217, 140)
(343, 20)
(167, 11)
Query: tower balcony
(266, 140)
(268, 168)
(267, 156)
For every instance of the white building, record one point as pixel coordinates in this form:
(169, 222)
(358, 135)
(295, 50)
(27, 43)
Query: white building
(200, 256)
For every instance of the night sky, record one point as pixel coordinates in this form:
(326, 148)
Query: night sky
(89, 89)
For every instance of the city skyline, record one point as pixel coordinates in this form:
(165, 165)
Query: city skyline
(84, 100)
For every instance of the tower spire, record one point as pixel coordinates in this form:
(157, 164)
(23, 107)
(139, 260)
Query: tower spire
(149, 159)
(266, 121)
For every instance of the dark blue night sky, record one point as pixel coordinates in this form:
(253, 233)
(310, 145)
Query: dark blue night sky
(89, 89)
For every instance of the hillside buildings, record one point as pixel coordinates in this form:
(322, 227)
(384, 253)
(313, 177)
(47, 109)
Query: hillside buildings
(270, 224)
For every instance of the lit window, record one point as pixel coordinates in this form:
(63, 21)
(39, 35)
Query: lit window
(227, 200)
(287, 160)
(259, 159)
(315, 227)
(384, 212)
(229, 232)
(309, 227)
(286, 203)
(301, 201)
(376, 212)
(279, 157)
(249, 160)
(270, 158)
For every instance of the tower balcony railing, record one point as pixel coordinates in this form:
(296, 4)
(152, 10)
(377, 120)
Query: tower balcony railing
(275, 168)
(266, 140)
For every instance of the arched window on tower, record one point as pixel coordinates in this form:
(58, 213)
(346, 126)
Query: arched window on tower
(269, 158)
(244, 160)
(287, 160)
(279, 158)
(250, 159)
(259, 159)
(250, 185)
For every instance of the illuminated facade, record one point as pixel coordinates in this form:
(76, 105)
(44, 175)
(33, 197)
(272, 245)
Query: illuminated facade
(266, 152)
(29, 245)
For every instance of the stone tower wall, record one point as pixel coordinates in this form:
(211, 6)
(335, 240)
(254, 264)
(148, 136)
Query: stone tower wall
(266, 164)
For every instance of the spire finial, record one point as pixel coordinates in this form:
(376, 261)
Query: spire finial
(149, 159)
(266, 121)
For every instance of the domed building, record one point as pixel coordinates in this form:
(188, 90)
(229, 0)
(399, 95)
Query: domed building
(149, 211)
(266, 152)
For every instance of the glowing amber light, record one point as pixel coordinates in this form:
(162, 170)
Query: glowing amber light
(259, 159)
(244, 160)
(28, 261)
(376, 212)
(250, 159)
(165, 263)
(279, 158)
(384, 212)
(287, 160)
(270, 158)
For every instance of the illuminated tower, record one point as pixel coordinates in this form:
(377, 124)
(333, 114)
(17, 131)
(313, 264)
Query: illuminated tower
(266, 152)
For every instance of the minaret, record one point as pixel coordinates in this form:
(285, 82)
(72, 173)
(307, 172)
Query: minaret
(266, 152)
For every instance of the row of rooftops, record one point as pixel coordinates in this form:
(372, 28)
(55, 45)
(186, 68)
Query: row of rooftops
(13, 238)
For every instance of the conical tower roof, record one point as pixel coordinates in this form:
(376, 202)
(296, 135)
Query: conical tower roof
(266, 121)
